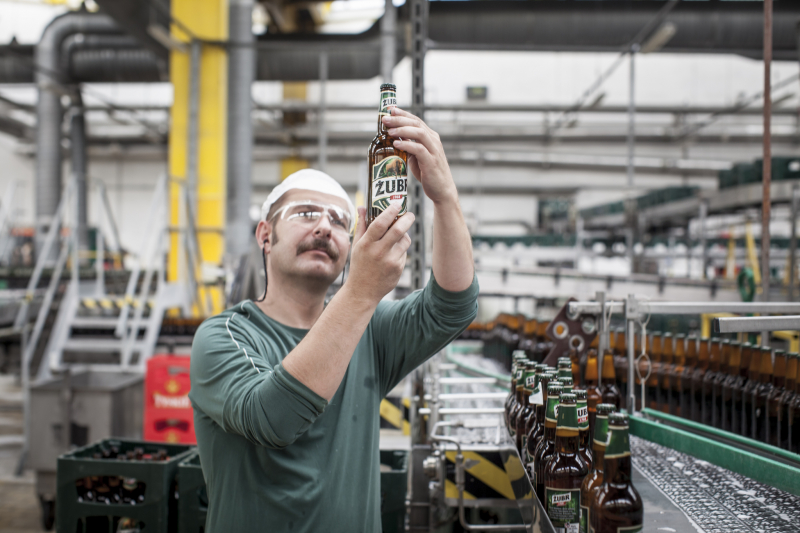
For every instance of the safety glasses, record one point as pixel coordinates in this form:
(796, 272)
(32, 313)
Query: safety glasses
(308, 213)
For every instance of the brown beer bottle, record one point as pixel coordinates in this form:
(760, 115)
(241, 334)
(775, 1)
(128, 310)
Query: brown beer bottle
(595, 476)
(566, 384)
(681, 385)
(730, 420)
(537, 431)
(667, 373)
(583, 426)
(527, 408)
(694, 367)
(593, 394)
(621, 362)
(761, 397)
(774, 399)
(654, 383)
(719, 404)
(517, 405)
(753, 380)
(737, 400)
(576, 368)
(609, 388)
(388, 167)
(565, 471)
(617, 505)
(709, 400)
(786, 400)
(703, 394)
(511, 401)
(794, 412)
(565, 368)
(548, 444)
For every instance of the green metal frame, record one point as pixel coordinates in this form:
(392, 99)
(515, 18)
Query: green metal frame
(744, 462)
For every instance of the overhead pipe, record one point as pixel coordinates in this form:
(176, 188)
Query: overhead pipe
(77, 137)
(50, 80)
(241, 72)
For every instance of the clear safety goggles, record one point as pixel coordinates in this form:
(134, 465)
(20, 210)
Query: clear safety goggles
(308, 213)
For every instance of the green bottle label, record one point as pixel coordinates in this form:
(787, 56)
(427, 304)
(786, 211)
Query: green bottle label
(564, 509)
(567, 417)
(519, 376)
(530, 379)
(601, 430)
(618, 442)
(583, 415)
(390, 183)
(388, 101)
(584, 518)
(629, 529)
(552, 409)
(565, 372)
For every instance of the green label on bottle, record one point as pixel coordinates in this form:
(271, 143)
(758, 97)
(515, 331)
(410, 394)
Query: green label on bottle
(530, 380)
(390, 184)
(601, 430)
(618, 442)
(388, 101)
(584, 518)
(567, 417)
(583, 415)
(552, 409)
(629, 529)
(564, 509)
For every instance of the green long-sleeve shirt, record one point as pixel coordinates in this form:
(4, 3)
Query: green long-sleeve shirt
(278, 457)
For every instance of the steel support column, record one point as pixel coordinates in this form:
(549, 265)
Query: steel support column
(767, 165)
(419, 35)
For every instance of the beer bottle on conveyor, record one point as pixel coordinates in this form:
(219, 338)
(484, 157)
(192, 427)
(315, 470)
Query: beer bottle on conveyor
(388, 167)
(761, 397)
(548, 442)
(725, 354)
(737, 399)
(537, 430)
(786, 399)
(794, 412)
(518, 390)
(536, 397)
(609, 384)
(753, 379)
(730, 418)
(576, 368)
(653, 383)
(564, 473)
(683, 377)
(583, 426)
(565, 367)
(709, 400)
(593, 394)
(696, 370)
(566, 383)
(527, 408)
(621, 362)
(774, 399)
(666, 371)
(617, 506)
(516, 357)
(595, 476)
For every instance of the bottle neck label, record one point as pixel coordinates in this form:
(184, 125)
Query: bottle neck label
(619, 445)
(389, 187)
(568, 417)
(552, 409)
(388, 101)
(601, 430)
(583, 415)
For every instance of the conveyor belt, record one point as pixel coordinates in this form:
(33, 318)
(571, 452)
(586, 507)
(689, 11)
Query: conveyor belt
(715, 499)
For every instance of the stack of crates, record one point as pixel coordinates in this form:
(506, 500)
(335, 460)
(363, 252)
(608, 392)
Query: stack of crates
(193, 500)
(168, 415)
(136, 493)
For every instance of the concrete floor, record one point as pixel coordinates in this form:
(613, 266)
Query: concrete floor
(19, 506)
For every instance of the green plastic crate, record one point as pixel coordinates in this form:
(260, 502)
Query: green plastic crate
(158, 511)
(193, 498)
(394, 484)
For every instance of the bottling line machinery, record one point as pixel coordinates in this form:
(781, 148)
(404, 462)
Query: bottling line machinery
(465, 472)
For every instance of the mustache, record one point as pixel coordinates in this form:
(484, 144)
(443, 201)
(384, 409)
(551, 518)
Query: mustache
(323, 245)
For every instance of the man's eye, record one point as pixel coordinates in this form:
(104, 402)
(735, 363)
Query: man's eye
(338, 222)
(308, 214)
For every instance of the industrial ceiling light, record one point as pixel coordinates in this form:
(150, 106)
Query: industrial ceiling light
(659, 38)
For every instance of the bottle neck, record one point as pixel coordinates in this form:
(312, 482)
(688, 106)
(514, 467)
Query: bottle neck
(388, 100)
(617, 470)
(567, 441)
(599, 457)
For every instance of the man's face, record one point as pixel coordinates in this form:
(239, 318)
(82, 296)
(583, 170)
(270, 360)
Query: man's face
(312, 252)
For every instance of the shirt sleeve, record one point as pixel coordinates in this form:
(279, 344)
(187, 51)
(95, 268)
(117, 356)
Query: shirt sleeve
(237, 389)
(408, 332)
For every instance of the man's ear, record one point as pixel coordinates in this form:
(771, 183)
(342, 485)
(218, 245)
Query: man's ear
(263, 235)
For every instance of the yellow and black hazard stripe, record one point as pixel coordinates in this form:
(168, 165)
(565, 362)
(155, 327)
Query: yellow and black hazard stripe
(112, 304)
(394, 414)
(485, 476)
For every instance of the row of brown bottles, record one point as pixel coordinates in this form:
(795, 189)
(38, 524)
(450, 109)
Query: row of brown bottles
(559, 454)
(509, 332)
(115, 489)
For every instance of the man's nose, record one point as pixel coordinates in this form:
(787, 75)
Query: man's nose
(323, 227)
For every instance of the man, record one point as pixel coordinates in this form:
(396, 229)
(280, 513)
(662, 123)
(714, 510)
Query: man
(287, 391)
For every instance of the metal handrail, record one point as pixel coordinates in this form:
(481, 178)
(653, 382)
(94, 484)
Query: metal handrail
(745, 324)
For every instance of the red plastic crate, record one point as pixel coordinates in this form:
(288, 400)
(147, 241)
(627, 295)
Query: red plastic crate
(168, 415)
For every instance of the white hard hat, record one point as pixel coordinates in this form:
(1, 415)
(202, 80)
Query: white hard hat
(311, 180)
